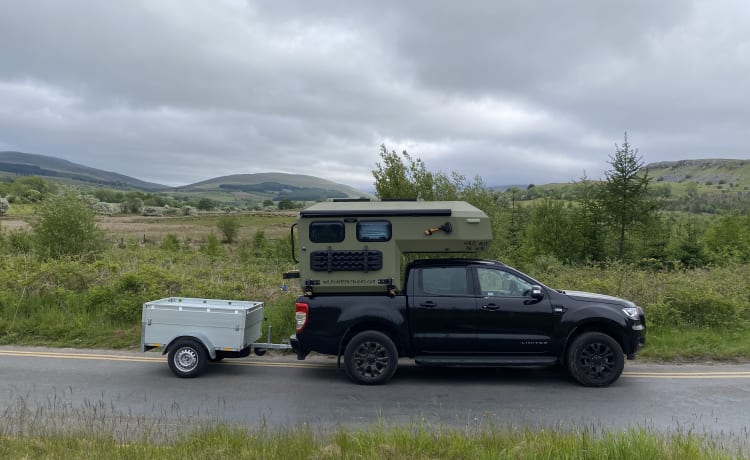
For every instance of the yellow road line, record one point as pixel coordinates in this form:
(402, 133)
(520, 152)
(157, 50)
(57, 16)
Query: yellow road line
(89, 356)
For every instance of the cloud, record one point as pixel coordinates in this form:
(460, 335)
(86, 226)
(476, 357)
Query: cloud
(517, 92)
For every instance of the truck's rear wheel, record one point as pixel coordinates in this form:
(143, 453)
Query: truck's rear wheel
(187, 358)
(370, 358)
(595, 359)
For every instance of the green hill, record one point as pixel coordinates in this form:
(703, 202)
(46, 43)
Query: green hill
(710, 174)
(28, 164)
(234, 190)
(279, 186)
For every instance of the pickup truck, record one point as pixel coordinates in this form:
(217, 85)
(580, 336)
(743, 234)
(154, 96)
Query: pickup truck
(459, 312)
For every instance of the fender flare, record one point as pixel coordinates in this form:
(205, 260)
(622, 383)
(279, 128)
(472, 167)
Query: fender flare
(196, 335)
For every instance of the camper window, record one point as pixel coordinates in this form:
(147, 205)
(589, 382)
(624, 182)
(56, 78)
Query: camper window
(374, 231)
(327, 232)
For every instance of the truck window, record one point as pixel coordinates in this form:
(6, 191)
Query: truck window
(327, 232)
(498, 283)
(374, 231)
(443, 281)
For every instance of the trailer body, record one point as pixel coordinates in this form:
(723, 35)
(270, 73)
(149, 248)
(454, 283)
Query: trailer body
(221, 325)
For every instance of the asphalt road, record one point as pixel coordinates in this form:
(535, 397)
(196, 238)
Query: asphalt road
(278, 391)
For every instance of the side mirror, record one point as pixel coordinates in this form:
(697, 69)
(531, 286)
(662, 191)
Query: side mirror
(537, 292)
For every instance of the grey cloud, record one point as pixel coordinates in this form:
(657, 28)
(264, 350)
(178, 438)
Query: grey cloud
(515, 91)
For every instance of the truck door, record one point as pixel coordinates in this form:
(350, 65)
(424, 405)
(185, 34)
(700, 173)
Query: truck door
(442, 310)
(509, 320)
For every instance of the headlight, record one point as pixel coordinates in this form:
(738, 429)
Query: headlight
(632, 312)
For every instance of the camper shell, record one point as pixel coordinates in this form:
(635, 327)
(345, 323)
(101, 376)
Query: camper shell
(357, 246)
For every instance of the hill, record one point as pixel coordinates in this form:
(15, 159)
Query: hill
(295, 187)
(28, 164)
(236, 189)
(712, 173)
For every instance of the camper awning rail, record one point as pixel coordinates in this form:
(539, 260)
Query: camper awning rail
(375, 213)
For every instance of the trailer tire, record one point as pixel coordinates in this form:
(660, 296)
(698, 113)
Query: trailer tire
(187, 358)
(370, 358)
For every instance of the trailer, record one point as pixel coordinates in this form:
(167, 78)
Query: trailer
(194, 331)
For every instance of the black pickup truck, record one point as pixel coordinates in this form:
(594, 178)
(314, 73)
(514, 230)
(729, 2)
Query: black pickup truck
(457, 312)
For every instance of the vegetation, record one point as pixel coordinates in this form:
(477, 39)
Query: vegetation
(376, 443)
(229, 227)
(66, 227)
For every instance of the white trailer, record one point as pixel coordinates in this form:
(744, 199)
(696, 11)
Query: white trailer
(195, 331)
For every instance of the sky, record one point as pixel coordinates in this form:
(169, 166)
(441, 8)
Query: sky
(516, 92)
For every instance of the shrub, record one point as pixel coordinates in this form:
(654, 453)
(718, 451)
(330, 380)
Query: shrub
(212, 247)
(229, 227)
(4, 206)
(170, 242)
(20, 242)
(702, 308)
(66, 227)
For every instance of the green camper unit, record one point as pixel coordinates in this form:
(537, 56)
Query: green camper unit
(357, 246)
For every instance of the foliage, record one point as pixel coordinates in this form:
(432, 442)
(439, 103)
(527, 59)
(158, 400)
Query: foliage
(206, 204)
(624, 194)
(229, 227)
(66, 227)
(4, 206)
(212, 247)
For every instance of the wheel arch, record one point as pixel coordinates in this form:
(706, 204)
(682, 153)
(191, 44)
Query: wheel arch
(373, 325)
(603, 326)
(198, 337)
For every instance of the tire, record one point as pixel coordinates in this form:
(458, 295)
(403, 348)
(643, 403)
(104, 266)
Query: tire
(259, 351)
(595, 359)
(187, 358)
(370, 358)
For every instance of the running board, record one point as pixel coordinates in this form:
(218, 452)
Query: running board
(478, 361)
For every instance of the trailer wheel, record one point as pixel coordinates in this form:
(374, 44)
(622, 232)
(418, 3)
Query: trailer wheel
(595, 359)
(187, 358)
(370, 358)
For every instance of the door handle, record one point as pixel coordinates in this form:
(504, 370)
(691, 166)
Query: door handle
(428, 304)
(491, 307)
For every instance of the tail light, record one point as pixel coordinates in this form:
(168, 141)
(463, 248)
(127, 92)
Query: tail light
(300, 316)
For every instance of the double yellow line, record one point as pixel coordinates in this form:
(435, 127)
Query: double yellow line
(145, 359)
(267, 363)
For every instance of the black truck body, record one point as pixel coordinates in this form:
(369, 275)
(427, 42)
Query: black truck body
(465, 312)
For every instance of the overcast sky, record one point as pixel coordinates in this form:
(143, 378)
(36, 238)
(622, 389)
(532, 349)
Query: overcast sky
(518, 92)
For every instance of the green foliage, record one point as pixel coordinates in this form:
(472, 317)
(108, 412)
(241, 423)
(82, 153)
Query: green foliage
(170, 242)
(206, 204)
(229, 227)
(212, 247)
(66, 227)
(286, 204)
(4, 206)
(624, 195)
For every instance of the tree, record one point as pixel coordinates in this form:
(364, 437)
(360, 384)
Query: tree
(206, 204)
(403, 177)
(66, 227)
(624, 195)
(286, 203)
(229, 227)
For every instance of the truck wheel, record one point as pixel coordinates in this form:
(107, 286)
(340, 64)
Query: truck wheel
(370, 358)
(187, 358)
(595, 359)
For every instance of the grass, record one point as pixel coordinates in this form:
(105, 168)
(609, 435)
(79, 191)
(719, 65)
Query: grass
(376, 443)
(697, 344)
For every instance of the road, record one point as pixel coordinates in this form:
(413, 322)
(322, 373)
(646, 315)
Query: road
(137, 388)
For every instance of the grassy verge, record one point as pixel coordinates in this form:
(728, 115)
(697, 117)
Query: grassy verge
(392, 443)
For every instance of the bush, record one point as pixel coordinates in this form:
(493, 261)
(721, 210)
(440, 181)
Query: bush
(66, 227)
(19, 242)
(171, 242)
(229, 227)
(4, 206)
(212, 248)
(701, 308)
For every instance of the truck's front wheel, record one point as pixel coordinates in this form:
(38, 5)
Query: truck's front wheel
(187, 358)
(595, 359)
(370, 358)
